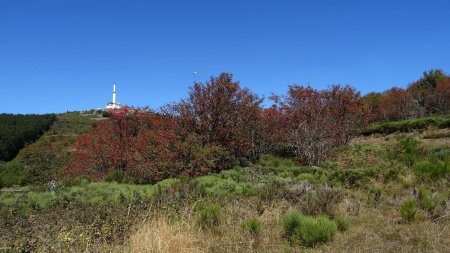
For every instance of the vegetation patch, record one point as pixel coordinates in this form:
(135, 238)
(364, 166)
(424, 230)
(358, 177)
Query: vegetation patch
(408, 210)
(210, 217)
(252, 226)
(342, 222)
(432, 169)
(307, 231)
(409, 125)
(17, 130)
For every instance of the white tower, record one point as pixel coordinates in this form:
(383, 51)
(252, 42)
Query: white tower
(114, 93)
(113, 105)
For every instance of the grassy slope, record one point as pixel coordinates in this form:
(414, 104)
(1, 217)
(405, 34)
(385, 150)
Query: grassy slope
(50, 152)
(373, 177)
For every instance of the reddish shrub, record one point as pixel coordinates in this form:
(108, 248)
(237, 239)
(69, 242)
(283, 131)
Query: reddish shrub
(142, 145)
(318, 121)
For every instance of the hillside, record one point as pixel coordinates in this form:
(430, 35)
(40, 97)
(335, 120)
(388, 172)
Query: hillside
(46, 157)
(380, 193)
(319, 171)
(18, 130)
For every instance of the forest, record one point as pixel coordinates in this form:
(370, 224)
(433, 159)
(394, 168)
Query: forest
(16, 131)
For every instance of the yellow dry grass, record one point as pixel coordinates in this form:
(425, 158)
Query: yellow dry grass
(162, 235)
(383, 231)
(372, 229)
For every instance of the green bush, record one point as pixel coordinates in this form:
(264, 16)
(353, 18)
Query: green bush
(425, 200)
(313, 231)
(408, 210)
(433, 169)
(411, 148)
(354, 177)
(11, 175)
(252, 226)
(290, 222)
(307, 231)
(210, 217)
(408, 125)
(342, 223)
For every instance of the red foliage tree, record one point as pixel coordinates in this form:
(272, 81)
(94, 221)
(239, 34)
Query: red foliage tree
(426, 96)
(222, 114)
(274, 137)
(318, 121)
(441, 97)
(140, 145)
(372, 104)
(395, 104)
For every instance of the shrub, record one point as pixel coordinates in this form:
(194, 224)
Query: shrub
(328, 118)
(308, 231)
(408, 125)
(407, 182)
(210, 217)
(252, 226)
(408, 210)
(425, 200)
(105, 114)
(342, 223)
(374, 194)
(411, 149)
(272, 190)
(314, 199)
(146, 146)
(434, 169)
(354, 177)
(290, 222)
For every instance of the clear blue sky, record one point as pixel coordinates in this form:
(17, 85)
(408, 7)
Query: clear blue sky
(64, 55)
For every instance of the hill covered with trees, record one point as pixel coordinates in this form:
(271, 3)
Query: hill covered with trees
(16, 131)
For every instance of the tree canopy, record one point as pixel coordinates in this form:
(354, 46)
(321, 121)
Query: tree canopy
(18, 130)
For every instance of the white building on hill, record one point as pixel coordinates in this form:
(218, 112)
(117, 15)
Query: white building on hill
(113, 105)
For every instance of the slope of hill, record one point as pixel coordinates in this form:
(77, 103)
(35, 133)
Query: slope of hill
(381, 193)
(16, 130)
(43, 160)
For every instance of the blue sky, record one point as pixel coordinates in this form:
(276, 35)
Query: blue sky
(64, 55)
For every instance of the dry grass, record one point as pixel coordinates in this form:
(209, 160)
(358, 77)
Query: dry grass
(182, 235)
(379, 229)
(161, 236)
(383, 231)
(372, 229)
